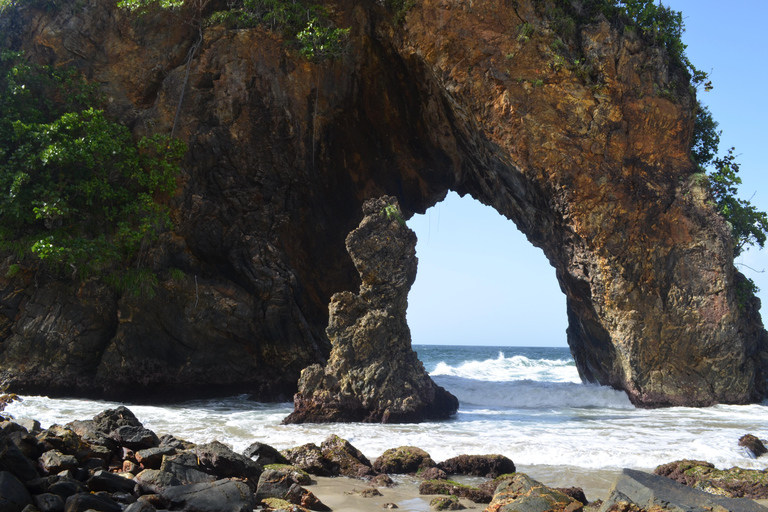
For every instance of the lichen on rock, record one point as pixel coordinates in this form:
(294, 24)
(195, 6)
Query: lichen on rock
(373, 374)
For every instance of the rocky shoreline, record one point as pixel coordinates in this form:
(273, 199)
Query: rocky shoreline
(112, 463)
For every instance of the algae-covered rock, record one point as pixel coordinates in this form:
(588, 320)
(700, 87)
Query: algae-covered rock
(488, 466)
(298, 474)
(403, 460)
(351, 461)
(309, 457)
(451, 488)
(446, 503)
(733, 483)
(521, 493)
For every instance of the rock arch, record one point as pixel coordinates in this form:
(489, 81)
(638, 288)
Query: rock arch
(585, 149)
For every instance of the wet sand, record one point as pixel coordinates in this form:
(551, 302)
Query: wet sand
(343, 494)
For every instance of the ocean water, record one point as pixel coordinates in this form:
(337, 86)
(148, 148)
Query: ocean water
(525, 403)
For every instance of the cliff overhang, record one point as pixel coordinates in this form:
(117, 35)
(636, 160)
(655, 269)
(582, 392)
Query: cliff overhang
(583, 144)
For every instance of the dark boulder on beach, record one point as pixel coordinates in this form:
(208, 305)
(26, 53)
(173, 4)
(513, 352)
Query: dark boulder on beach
(13, 495)
(651, 491)
(219, 460)
(754, 445)
(379, 379)
(219, 496)
(264, 454)
(734, 482)
(185, 467)
(309, 457)
(352, 463)
(488, 466)
(403, 460)
(521, 493)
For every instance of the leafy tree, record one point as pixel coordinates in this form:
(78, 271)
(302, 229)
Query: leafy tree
(76, 191)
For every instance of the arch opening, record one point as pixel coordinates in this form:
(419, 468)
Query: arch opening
(481, 282)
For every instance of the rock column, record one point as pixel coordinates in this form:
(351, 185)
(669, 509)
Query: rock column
(373, 374)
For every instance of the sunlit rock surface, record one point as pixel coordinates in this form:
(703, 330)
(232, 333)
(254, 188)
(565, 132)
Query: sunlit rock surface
(571, 126)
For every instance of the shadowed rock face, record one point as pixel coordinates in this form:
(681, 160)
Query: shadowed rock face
(373, 374)
(589, 160)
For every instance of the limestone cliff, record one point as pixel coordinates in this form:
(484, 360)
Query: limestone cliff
(583, 144)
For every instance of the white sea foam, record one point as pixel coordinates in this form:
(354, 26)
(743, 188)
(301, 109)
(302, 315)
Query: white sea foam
(531, 394)
(517, 367)
(525, 406)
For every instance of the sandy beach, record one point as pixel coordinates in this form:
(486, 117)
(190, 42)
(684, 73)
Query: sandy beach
(343, 494)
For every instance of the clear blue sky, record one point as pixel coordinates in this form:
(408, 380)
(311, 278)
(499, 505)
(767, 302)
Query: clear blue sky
(479, 280)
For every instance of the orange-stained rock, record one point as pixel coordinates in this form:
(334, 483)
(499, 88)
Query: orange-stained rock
(583, 144)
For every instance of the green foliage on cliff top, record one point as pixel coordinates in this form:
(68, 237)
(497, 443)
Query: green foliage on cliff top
(749, 226)
(306, 24)
(75, 190)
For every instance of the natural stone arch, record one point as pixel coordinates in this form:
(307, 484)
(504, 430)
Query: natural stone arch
(589, 160)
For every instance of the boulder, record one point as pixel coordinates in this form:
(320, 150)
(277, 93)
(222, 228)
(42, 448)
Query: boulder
(278, 505)
(110, 482)
(402, 460)
(27, 443)
(53, 462)
(185, 467)
(381, 380)
(151, 458)
(219, 496)
(264, 454)
(647, 491)
(64, 440)
(49, 502)
(576, 493)
(304, 498)
(734, 482)
(298, 474)
(310, 458)
(219, 460)
(135, 437)
(446, 503)
(155, 481)
(274, 484)
(65, 486)
(140, 506)
(754, 445)
(90, 432)
(351, 461)
(13, 460)
(110, 420)
(488, 466)
(451, 488)
(521, 493)
(13, 495)
(432, 474)
(84, 502)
